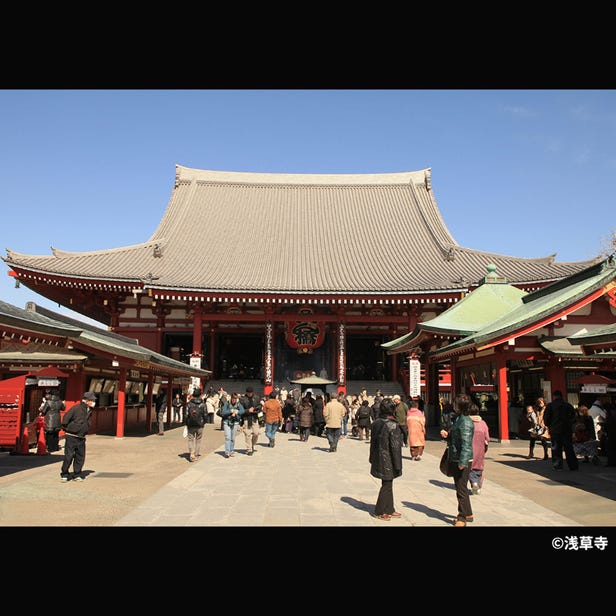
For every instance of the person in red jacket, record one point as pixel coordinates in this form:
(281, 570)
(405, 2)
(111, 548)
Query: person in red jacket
(481, 439)
(273, 417)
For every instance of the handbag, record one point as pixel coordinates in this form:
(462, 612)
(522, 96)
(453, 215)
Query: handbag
(537, 431)
(444, 465)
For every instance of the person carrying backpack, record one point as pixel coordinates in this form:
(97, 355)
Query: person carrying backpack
(364, 420)
(195, 418)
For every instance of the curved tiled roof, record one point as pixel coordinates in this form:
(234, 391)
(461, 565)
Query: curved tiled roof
(489, 301)
(308, 233)
(544, 304)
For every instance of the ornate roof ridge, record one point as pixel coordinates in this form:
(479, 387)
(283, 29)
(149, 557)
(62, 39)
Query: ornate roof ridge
(13, 255)
(318, 179)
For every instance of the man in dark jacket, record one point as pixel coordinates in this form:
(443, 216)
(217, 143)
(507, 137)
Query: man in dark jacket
(161, 409)
(76, 424)
(401, 411)
(559, 417)
(250, 421)
(50, 410)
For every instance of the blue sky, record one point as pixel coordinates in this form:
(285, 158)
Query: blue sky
(527, 173)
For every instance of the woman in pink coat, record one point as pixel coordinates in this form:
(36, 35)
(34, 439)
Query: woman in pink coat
(416, 424)
(481, 438)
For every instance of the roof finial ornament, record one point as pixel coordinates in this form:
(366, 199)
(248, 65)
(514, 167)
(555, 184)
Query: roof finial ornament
(157, 252)
(428, 179)
(492, 275)
(451, 255)
(149, 279)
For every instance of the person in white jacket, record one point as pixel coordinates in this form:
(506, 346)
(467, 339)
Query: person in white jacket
(598, 414)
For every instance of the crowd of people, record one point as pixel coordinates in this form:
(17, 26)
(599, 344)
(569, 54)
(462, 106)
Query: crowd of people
(388, 424)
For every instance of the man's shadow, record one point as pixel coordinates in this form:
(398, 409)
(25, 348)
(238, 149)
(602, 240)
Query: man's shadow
(427, 511)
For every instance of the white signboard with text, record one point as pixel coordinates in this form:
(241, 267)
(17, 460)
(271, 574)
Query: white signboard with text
(195, 381)
(414, 378)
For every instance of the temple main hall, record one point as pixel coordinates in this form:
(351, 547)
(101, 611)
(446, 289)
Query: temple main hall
(275, 276)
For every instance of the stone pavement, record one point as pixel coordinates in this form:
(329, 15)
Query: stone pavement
(302, 484)
(144, 480)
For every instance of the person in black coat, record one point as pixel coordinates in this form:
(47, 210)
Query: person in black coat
(559, 417)
(386, 459)
(76, 425)
(364, 420)
(609, 426)
(161, 409)
(50, 410)
(318, 419)
(288, 412)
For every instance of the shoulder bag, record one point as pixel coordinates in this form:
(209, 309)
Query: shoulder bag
(444, 465)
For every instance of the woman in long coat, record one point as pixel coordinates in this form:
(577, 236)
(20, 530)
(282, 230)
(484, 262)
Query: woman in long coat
(416, 426)
(386, 459)
(305, 418)
(318, 419)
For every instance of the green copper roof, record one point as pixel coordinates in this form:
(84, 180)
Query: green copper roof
(490, 300)
(541, 304)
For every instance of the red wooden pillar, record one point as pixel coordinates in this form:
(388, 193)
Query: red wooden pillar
(454, 378)
(121, 404)
(503, 396)
(197, 330)
(555, 373)
(211, 362)
(393, 371)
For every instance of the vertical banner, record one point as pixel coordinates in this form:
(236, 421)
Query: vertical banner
(195, 381)
(268, 360)
(341, 356)
(414, 378)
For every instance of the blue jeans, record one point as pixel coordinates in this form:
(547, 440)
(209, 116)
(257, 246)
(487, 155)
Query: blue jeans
(474, 476)
(343, 425)
(333, 434)
(271, 429)
(230, 432)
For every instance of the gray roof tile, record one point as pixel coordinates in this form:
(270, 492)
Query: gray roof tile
(260, 232)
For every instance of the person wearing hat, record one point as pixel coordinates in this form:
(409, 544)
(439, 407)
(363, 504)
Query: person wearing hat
(195, 418)
(250, 420)
(76, 424)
